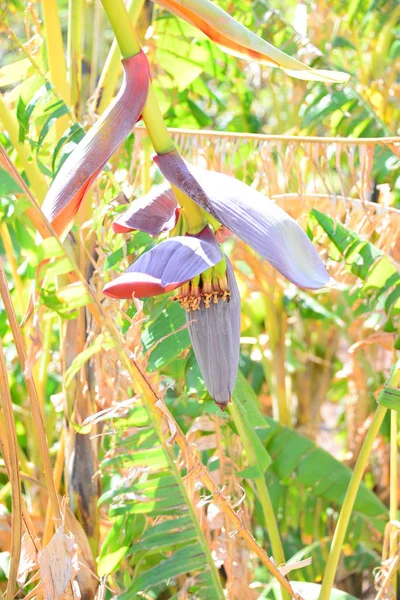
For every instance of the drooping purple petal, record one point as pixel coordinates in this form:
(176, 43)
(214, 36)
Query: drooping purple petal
(167, 266)
(154, 213)
(91, 154)
(215, 337)
(251, 216)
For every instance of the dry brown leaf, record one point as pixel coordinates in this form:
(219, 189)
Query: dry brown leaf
(58, 565)
(171, 422)
(286, 568)
(101, 590)
(215, 517)
(117, 410)
(58, 401)
(5, 532)
(86, 576)
(380, 337)
(206, 442)
(37, 593)
(202, 423)
(29, 559)
(35, 347)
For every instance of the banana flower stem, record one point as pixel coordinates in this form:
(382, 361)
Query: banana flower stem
(129, 46)
(112, 66)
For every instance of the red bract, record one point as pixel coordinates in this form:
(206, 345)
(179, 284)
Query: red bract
(92, 153)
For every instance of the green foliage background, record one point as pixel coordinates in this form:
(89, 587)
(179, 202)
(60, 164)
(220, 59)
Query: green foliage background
(153, 536)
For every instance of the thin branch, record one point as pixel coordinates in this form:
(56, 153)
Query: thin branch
(30, 384)
(10, 455)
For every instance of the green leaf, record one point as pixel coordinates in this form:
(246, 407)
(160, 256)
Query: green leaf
(118, 541)
(8, 185)
(183, 59)
(66, 300)
(48, 248)
(42, 92)
(390, 397)
(111, 561)
(299, 460)
(139, 240)
(58, 267)
(101, 342)
(58, 110)
(157, 492)
(186, 560)
(22, 120)
(163, 333)
(73, 134)
(368, 263)
(252, 472)
(202, 118)
(326, 104)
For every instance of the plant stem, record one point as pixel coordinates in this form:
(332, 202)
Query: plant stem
(75, 31)
(56, 58)
(9, 250)
(122, 26)
(32, 394)
(393, 489)
(97, 45)
(146, 163)
(275, 318)
(43, 363)
(36, 178)
(112, 66)
(57, 474)
(129, 46)
(10, 457)
(348, 504)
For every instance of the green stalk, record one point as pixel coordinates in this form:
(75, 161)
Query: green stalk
(262, 490)
(274, 317)
(97, 45)
(74, 58)
(122, 26)
(112, 66)
(129, 46)
(56, 58)
(393, 489)
(146, 163)
(348, 504)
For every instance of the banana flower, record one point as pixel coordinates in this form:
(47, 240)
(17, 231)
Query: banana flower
(210, 295)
